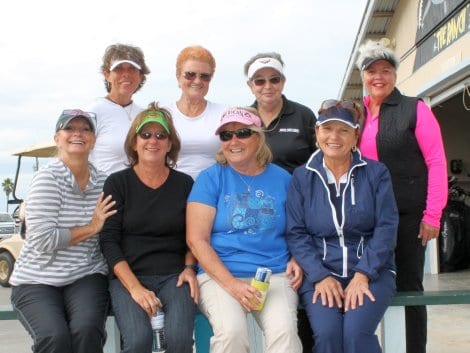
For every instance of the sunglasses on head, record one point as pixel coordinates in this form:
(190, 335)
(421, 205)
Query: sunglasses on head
(261, 81)
(73, 113)
(240, 133)
(330, 103)
(191, 76)
(158, 135)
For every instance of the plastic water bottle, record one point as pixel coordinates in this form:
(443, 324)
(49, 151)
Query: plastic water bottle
(158, 331)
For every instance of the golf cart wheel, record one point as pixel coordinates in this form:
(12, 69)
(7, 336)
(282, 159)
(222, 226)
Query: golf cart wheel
(6, 268)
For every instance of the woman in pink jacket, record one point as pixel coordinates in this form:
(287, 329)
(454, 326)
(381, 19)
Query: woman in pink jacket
(403, 133)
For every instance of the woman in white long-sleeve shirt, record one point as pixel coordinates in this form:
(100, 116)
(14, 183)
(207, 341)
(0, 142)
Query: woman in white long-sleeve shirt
(59, 280)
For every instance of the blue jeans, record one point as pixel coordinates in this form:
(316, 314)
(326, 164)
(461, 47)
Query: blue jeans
(64, 319)
(134, 323)
(353, 331)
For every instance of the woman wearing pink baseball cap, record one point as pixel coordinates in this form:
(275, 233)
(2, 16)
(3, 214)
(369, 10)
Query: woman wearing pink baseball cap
(235, 224)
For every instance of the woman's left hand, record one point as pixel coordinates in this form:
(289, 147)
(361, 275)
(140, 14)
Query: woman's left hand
(427, 232)
(189, 276)
(355, 291)
(294, 273)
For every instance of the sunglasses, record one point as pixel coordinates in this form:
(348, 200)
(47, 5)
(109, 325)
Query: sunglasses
(191, 76)
(73, 113)
(158, 135)
(261, 81)
(330, 103)
(240, 133)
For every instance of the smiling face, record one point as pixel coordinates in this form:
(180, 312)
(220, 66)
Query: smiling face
(194, 89)
(379, 79)
(240, 153)
(76, 137)
(152, 150)
(336, 140)
(268, 92)
(124, 81)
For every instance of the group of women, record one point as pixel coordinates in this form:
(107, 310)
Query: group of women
(179, 206)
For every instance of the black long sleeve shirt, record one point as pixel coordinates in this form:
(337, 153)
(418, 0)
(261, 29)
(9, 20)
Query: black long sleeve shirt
(148, 231)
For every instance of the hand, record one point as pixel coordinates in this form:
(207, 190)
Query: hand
(102, 212)
(427, 232)
(294, 273)
(355, 291)
(189, 276)
(147, 299)
(248, 296)
(330, 291)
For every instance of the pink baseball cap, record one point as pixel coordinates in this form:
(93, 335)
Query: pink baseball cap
(238, 115)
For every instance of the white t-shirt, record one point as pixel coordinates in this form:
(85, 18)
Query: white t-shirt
(198, 142)
(113, 123)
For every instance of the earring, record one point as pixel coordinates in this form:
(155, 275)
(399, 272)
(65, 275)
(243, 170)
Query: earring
(317, 145)
(354, 148)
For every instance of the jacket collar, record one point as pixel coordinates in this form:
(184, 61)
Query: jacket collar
(315, 162)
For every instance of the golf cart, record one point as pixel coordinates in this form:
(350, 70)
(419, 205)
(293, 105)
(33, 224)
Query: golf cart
(10, 247)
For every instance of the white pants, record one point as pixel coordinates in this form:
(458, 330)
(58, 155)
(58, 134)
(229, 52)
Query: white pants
(277, 320)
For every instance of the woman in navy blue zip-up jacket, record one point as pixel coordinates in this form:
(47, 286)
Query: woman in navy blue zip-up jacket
(341, 228)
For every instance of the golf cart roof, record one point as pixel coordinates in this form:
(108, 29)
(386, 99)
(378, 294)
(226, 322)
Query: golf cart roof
(40, 150)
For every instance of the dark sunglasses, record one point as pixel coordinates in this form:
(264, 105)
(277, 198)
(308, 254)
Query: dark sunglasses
(261, 81)
(158, 135)
(240, 133)
(191, 76)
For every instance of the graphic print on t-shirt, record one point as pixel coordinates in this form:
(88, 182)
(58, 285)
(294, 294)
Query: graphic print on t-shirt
(251, 213)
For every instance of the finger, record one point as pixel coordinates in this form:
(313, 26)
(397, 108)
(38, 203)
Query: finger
(370, 295)
(347, 302)
(338, 299)
(354, 301)
(106, 199)
(246, 304)
(315, 297)
(106, 207)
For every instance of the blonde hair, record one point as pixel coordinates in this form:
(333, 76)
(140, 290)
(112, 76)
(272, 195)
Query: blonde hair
(263, 153)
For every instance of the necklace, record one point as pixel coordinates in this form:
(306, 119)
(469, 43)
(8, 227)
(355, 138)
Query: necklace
(127, 107)
(248, 185)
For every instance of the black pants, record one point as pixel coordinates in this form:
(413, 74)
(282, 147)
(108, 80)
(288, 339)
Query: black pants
(410, 268)
(68, 319)
(305, 331)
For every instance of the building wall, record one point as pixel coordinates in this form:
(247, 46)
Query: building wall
(402, 31)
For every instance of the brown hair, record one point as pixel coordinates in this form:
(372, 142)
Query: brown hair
(195, 52)
(131, 138)
(124, 52)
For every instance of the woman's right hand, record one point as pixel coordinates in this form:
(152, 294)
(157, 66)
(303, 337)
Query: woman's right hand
(146, 299)
(102, 212)
(248, 296)
(330, 292)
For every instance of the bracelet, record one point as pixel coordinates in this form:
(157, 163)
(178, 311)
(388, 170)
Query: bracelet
(192, 267)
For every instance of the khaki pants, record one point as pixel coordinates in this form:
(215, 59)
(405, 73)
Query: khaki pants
(277, 320)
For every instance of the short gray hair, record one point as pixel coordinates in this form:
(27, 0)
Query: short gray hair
(372, 51)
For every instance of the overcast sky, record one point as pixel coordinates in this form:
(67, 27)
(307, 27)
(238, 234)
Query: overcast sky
(51, 52)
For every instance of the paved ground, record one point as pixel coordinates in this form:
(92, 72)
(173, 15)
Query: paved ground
(447, 327)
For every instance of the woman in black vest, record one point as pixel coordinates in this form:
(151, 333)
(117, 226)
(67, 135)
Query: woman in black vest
(403, 133)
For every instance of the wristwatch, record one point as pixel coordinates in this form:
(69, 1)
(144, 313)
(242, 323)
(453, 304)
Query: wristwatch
(191, 266)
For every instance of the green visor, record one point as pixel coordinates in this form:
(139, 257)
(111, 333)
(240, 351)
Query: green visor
(154, 117)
